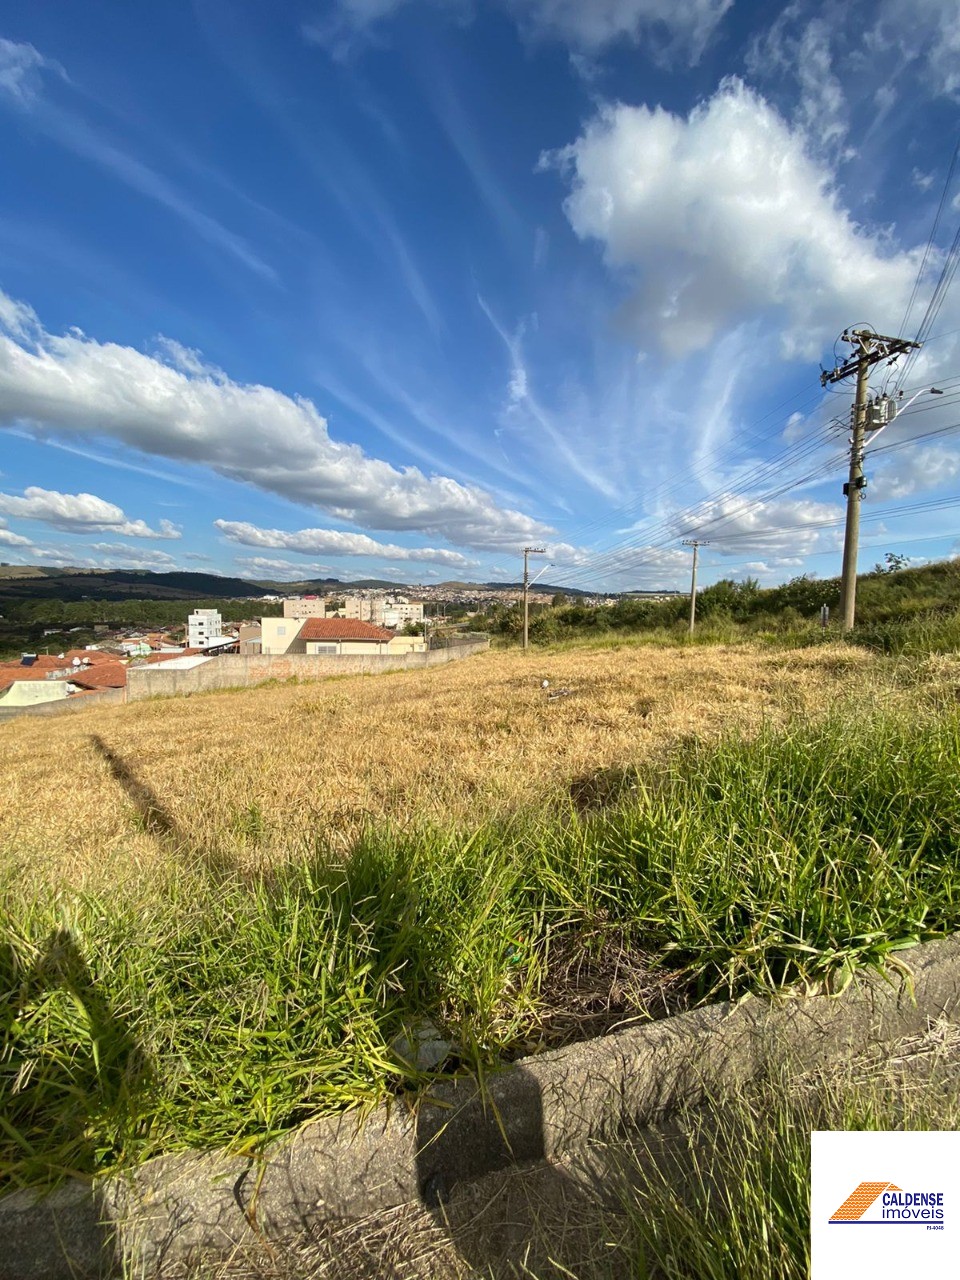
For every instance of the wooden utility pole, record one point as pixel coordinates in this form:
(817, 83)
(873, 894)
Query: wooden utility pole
(871, 348)
(696, 543)
(527, 553)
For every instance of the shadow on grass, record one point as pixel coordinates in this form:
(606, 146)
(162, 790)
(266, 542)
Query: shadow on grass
(70, 1068)
(155, 818)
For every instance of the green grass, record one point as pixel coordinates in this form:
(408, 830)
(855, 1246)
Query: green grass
(725, 1193)
(218, 1006)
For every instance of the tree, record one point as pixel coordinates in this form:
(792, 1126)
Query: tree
(893, 563)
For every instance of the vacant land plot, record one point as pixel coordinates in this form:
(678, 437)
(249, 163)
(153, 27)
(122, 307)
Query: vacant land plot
(228, 914)
(259, 776)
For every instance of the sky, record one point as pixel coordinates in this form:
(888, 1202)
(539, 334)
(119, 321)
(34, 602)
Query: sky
(395, 288)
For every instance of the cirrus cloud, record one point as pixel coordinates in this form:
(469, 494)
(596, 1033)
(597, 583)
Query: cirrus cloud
(586, 25)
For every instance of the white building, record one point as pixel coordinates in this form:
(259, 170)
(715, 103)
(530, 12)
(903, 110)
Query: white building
(383, 611)
(203, 625)
(364, 609)
(397, 613)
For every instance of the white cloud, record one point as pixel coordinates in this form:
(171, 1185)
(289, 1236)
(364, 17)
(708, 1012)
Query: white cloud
(786, 527)
(929, 34)
(75, 385)
(914, 471)
(264, 567)
(10, 539)
(144, 556)
(21, 66)
(593, 24)
(105, 555)
(589, 25)
(79, 513)
(801, 47)
(334, 542)
(723, 215)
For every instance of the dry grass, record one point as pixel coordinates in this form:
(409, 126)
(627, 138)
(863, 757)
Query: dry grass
(262, 774)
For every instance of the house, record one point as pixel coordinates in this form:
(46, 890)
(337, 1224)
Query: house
(103, 675)
(249, 637)
(345, 635)
(334, 637)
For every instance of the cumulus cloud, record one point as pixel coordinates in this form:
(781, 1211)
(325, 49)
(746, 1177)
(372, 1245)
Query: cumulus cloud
(79, 513)
(75, 385)
(336, 542)
(723, 215)
(586, 25)
(103, 555)
(10, 539)
(783, 527)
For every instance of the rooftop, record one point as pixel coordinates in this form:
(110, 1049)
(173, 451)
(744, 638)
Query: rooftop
(343, 629)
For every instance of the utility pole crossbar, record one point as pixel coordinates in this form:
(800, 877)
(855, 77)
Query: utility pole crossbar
(871, 349)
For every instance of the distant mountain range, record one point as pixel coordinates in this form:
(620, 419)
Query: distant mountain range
(39, 582)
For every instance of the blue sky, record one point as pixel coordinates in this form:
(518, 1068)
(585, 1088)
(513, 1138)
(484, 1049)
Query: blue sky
(396, 287)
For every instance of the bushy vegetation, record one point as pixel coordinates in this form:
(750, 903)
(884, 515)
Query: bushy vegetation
(220, 1004)
(922, 605)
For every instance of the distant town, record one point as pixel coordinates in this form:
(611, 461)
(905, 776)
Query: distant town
(364, 621)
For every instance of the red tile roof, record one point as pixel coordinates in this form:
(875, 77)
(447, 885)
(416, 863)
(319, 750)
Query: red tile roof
(342, 629)
(89, 655)
(104, 675)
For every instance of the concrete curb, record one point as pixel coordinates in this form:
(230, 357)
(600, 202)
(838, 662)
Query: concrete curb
(178, 1206)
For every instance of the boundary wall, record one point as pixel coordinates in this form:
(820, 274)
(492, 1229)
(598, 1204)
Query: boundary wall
(65, 706)
(244, 670)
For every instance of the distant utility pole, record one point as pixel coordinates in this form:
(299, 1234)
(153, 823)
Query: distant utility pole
(527, 552)
(870, 348)
(696, 543)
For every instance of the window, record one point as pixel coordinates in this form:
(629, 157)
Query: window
(323, 648)
(281, 631)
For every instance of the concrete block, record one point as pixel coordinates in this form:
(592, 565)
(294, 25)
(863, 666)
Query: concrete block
(547, 1106)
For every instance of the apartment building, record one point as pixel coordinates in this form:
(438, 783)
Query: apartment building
(383, 611)
(305, 607)
(203, 626)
